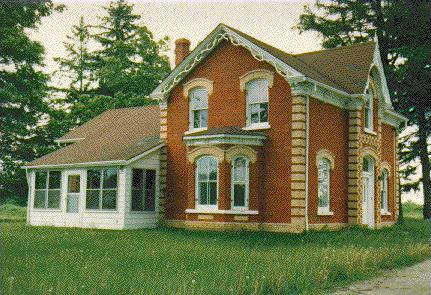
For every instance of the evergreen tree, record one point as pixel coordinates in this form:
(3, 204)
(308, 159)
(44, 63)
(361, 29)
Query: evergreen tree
(130, 63)
(22, 91)
(402, 28)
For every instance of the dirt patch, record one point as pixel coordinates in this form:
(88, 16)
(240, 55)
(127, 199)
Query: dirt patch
(410, 280)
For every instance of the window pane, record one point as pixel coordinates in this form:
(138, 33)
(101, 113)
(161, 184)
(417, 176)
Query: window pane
(54, 198)
(202, 167)
(93, 178)
(198, 98)
(257, 91)
(254, 113)
(72, 203)
(39, 199)
(73, 184)
(263, 112)
(109, 199)
(150, 190)
(138, 178)
(204, 118)
(239, 195)
(213, 193)
(41, 180)
(54, 179)
(93, 199)
(212, 169)
(110, 178)
(203, 193)
(196, 119)
(239, 173)
(137, 199)
(323, 183)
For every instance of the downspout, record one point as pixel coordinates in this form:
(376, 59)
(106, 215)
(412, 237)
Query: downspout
(28, 196)
(307, 132)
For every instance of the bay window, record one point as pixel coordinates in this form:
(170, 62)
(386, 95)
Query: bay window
(240, 178)
(207, 182)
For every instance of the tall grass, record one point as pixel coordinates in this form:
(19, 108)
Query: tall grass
(38, 260)
(11, 212)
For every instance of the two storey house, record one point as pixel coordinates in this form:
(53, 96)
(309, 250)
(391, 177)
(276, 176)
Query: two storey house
(244, 136)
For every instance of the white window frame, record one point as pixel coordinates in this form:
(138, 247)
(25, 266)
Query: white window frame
(246, 182)
(384, 198)
(206, 206)
(369, 109)
(47, 189)
(324, 210)
(192, 110)
(258, 125)
(101, 189)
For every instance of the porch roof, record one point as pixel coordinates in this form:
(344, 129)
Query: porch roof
(114, 137)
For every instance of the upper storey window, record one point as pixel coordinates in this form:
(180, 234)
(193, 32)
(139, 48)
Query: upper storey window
(197, 91)
(257, 101)
(198, 99)
(368, 110)
(256, 84)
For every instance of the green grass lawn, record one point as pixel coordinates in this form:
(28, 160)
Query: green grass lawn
(412, 210)
(42, 260)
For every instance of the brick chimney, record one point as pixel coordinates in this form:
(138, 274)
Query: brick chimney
(182, 49)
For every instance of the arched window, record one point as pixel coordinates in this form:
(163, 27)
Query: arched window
(207, 182)
(368, 109)
(240, 182)
(257, 101)
(323, 172)
(198, 114)
(384, 192)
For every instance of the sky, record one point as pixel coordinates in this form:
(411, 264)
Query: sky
(269, 21)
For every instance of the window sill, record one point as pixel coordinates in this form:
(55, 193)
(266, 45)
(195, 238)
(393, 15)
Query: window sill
(195, 130)
(325, 213)
(369, 131)
(143, 212)
(232, 212)
(257, 127)
(101, 211)
(385, 213)
(45, 210)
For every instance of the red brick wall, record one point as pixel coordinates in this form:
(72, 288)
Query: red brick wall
(227, 107)
(388, 154)
(328, 130)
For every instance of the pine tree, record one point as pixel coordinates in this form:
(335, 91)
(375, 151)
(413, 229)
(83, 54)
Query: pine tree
(131, 63)
(23, 88)
(402, 28)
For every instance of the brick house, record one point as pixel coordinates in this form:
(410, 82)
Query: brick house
(245, 137)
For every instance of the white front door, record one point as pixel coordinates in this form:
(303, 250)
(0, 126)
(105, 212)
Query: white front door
(368, 199)
(74, 196)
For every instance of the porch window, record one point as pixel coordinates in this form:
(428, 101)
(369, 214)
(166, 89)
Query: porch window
(143, 190)
(102, 189)
(240, 182)
(207, 181)
(368, 110)
(257, 102)
(384, 192)
(323, 171)
(47, 190)
(198, 99)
